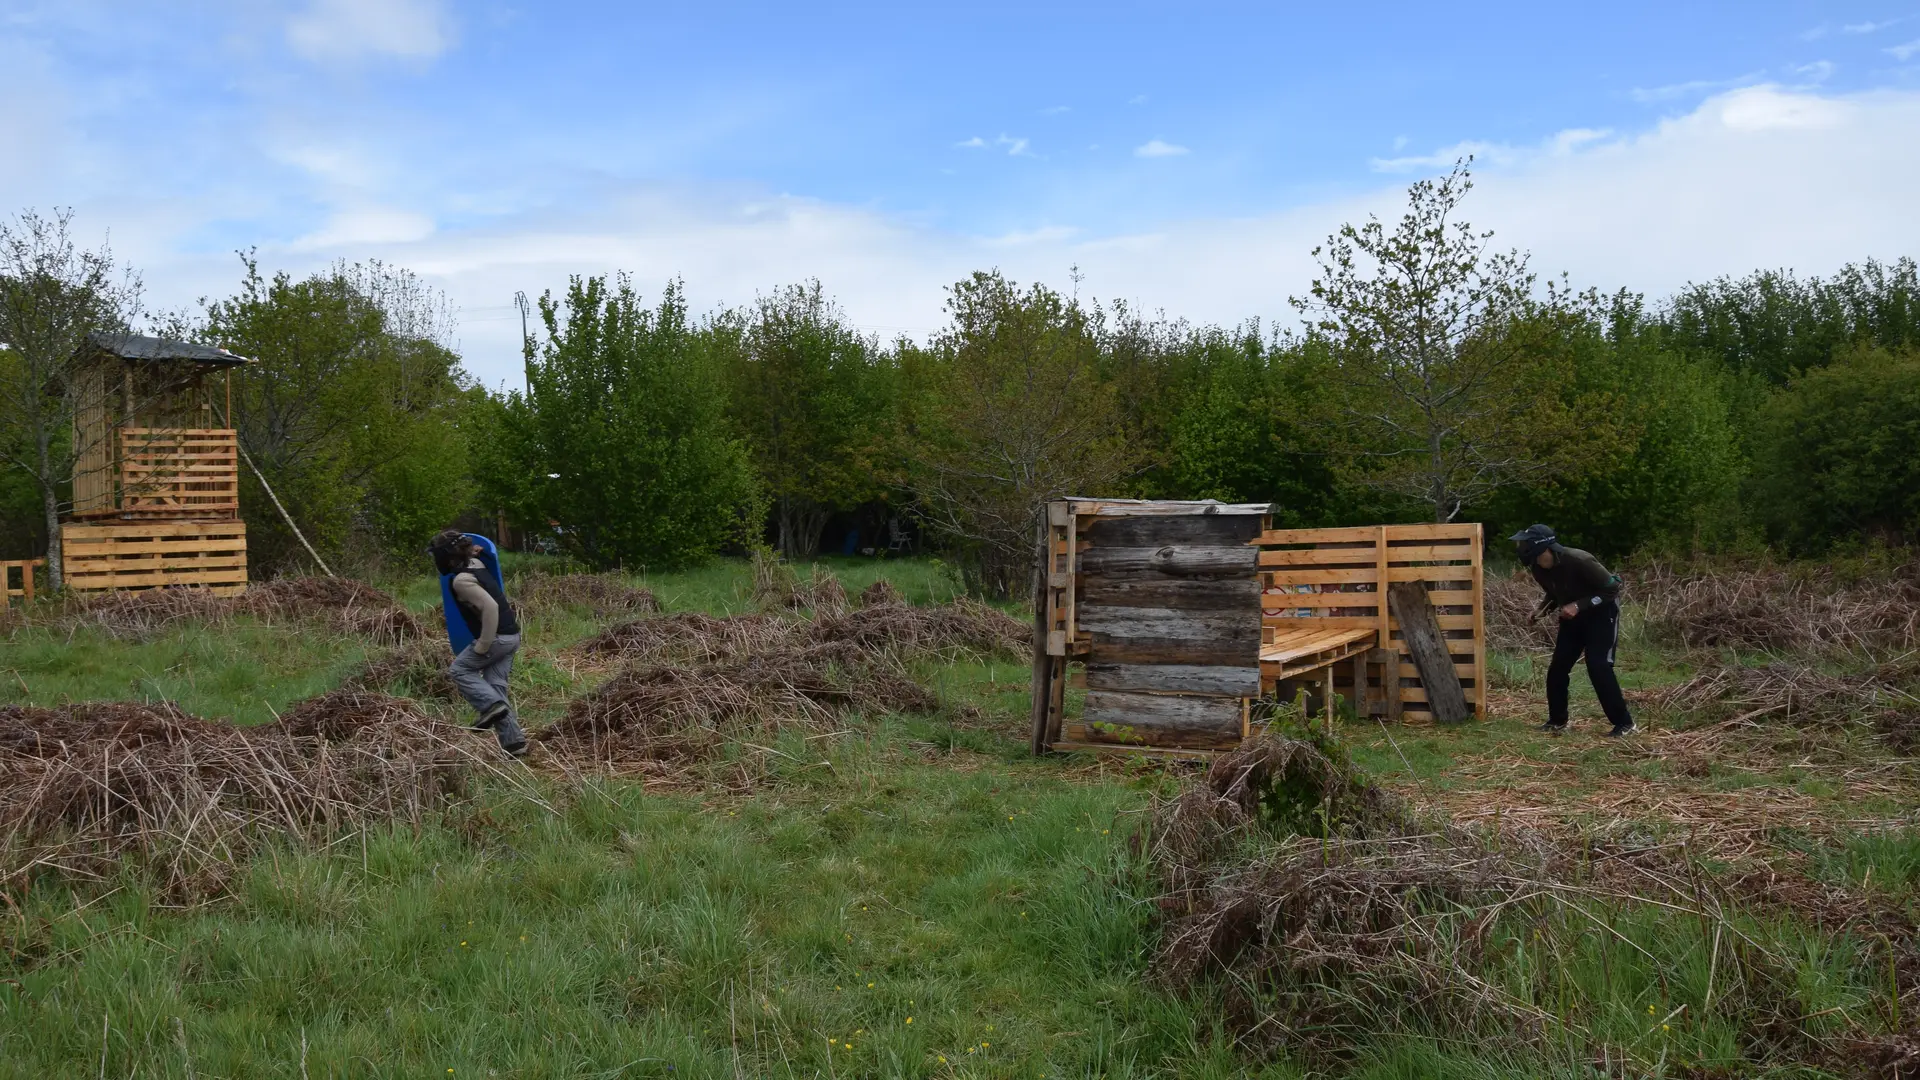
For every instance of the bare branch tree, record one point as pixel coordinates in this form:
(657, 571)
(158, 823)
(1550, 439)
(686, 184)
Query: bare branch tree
(52, 295)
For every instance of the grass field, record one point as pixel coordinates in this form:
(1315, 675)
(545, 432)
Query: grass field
(901, 896)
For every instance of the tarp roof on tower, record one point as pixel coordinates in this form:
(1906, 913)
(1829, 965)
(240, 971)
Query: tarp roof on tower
(141, 347)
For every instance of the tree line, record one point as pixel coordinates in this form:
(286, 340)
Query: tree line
(1431, 376)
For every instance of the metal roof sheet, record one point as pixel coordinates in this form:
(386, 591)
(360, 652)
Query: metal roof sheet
(141, 347)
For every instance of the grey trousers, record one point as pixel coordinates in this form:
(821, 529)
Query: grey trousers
(482, 680)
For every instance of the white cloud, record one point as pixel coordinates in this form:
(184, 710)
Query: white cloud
(1137, 99)
(1870, 27)
(1694, 88)
(351, 29)
(1817, 72)
(1015, 147)
(1904, 53)
(1156, 148)
(370, 226)
(974, 143)
(1056, 110)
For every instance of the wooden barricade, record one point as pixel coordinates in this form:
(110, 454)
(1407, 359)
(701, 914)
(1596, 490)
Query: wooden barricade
(1159, 599)
(155, 554)
(25, 591)
(1335, 579)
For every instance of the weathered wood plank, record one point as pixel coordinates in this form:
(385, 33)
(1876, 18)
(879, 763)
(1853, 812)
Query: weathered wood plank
(1168, 591)
(1191, 530)
(1115, 621)
(1230, 652)
(1179, 678)
(1161, 719)
(1421, 635)
(1172, 560)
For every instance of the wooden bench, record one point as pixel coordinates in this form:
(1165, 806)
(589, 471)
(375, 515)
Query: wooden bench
(1294, 652)
(25, 591)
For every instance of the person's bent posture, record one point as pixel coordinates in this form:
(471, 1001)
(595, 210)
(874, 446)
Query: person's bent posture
(481, 669)
(1585, 594)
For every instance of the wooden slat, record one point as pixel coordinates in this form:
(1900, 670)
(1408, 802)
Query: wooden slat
(1318, 557)
(1317, 536)
(180, 528)
(1174, 560)
(94, 548)
(1429, 573)
(1273, 601)
(139, 581)
(1432, 532)
(1184, 678)
(1323, 577)
(1161, 719)
(1430, 553)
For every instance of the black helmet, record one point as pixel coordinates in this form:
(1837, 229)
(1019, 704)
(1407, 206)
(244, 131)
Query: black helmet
(1529, 542)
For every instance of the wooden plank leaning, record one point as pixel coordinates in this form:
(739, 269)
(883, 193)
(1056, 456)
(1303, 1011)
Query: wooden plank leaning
(1420, 630)
(1042, 662)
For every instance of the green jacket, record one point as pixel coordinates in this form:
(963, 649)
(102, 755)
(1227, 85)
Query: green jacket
(1576, 578)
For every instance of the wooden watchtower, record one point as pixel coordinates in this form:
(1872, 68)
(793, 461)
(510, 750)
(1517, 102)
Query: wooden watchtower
(156, 486)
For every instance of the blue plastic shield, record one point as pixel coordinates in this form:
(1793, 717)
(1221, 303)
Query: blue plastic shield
(458, 636)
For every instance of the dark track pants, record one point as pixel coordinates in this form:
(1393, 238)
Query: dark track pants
(1595, 633)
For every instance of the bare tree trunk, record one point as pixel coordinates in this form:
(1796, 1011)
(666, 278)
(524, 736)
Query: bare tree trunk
(49, 504)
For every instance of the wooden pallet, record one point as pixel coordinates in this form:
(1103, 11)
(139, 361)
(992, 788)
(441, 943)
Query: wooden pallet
(1333, 579)
(25, 591)
(157, 554)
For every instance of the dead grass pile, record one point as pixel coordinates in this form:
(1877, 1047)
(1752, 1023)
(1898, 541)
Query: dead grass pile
(880, 593)
(822, 592)
(347, 606)
(85, 788)
(603, 595)
(417, 668)
(963, 627)
(693, 636)
(775, 586)
(1511, 602)
(1789, 609)
(1793, 693)
(667, 717)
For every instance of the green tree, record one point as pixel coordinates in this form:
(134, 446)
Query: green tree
(1776, 325)
(1007, 410)
(1840, 452)
(352, 410)
(813, 400)
(621, 439)
(52, 295)
(1445, 365)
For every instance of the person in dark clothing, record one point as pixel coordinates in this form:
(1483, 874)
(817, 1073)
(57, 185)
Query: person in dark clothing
(480, 671)
(1585, 594)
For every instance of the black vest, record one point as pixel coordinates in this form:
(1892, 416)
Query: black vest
(508, 624)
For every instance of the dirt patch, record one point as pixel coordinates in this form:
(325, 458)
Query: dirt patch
(603, 595)
(86, 788)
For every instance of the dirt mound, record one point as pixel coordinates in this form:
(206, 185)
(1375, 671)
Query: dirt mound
(84, 788)
(602, 594)
(1794, 609)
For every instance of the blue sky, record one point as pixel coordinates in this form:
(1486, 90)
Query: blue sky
(1185, 157)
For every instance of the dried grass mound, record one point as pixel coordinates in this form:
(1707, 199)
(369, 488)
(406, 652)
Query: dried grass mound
(147, 612)
(1792, 693)
(690, 636)
(349, 606)
(418, 667)
(775, 586)
(880, 594)
(87, 787)
(965, 626)
(1802, 608)
(677, 715)
(1511, 602)
(822, 592)
(604, 595)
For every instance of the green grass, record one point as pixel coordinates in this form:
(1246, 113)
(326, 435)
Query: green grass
(624, 932)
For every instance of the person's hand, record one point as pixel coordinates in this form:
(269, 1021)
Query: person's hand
(1569, 611)
(478, 651)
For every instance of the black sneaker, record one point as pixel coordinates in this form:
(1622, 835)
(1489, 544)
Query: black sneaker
(1621, 730)
(518, 750)
(491, 716)
(1552, 728)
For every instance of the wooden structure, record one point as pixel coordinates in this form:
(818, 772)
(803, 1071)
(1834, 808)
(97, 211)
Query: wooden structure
(25, 567)
(156, 489)
(1160, 601)
(1325, 589)
(1183, 613)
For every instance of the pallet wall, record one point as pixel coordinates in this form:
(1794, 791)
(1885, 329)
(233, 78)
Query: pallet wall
(1332, 579)
(156, 554)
